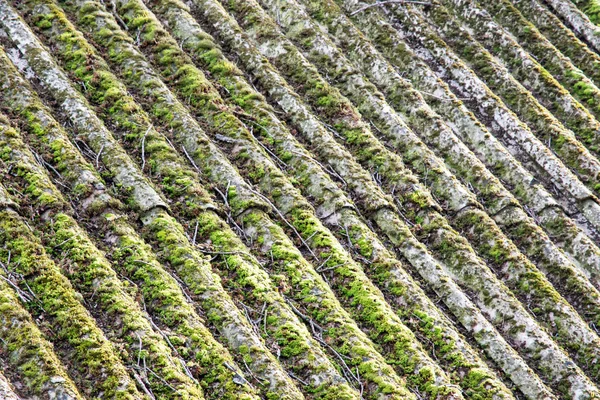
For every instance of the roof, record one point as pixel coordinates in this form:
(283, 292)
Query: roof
(299, 199)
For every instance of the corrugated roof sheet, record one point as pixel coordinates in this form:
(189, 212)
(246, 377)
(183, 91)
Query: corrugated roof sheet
(299, 199)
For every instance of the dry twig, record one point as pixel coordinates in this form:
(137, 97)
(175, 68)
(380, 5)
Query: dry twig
(383, 3)
(286, 222)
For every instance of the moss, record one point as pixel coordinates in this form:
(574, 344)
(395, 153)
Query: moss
(99, 367)
(171, 242)
(257, 174)
(304, 224)
(223, 124)
(420, 199)
(361, 241)
(448, 247)
(592, 10)
(190, 328)
(93, 275)
(498, 253)
(287, 156)
(44, 21)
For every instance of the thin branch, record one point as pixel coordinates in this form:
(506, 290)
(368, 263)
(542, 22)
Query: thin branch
(143, 386)
(286, 222)
(166, 338)
(224, 195)
(219, 253)
(117, 16)
(263, 312)
(290, 373)
(262, 381)
(182, 286)
(63, 242)
(98, 156)
(230, 219)
(331, 268)
(139, 350)
(279, 160)
(195, 233)
(20, 293)
(161, 379)
(144, 147)
(43, 163)
(329, 170)
(318, 269)
(346, 371)
(190, 158)
(383, 3)
(30, 291)
(237, 375)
